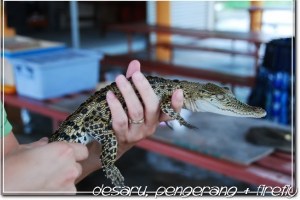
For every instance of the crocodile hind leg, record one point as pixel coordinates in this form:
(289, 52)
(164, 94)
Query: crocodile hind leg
(166, 107)
(108, 156)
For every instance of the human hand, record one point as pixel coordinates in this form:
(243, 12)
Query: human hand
(42, 167)
(129, 134)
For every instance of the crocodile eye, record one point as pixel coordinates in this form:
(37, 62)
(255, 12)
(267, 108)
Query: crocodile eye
(220, 96)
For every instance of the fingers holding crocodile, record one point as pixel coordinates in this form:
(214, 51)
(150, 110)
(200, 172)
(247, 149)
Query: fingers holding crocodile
(127, 136)
(139, 121)
(134, 106)
(150, 102)
(119, 117)
(141, 118)
(146, 91)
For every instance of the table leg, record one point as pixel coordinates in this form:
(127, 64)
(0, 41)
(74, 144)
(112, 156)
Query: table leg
(256, 53)
(148, 47)
(148, 41)
(129, 42)
(171, 55)
(232, 48)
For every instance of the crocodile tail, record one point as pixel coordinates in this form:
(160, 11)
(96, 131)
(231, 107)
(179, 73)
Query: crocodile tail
(113, 173)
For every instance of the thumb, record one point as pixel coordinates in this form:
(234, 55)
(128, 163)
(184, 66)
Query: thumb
(177, 100)
(177, 103)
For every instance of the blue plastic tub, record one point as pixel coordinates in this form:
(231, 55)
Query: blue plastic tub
(17, 46)
(57, 73)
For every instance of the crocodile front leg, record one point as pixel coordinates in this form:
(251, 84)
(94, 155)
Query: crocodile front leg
(165, 106)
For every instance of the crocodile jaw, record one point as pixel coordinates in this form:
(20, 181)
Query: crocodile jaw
(243, 111)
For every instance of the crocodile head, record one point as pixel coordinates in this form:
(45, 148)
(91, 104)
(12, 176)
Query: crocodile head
(212, 98)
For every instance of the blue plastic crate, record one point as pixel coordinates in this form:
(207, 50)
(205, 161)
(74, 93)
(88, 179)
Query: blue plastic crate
(57, 73)
(17, 46)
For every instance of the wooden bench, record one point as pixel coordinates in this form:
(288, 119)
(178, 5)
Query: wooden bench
(203, 48)
(250, 37)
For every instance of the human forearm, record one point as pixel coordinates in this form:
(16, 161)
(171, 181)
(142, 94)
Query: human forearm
(92, 163)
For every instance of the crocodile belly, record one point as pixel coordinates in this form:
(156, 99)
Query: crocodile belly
(84, 139)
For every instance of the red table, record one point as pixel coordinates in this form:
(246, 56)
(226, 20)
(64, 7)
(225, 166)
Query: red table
(273, 170)
(251, 37)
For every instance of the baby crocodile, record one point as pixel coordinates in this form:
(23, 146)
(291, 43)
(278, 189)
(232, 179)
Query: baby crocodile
(92, 120)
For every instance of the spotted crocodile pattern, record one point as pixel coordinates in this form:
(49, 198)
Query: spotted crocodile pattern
(92, 120)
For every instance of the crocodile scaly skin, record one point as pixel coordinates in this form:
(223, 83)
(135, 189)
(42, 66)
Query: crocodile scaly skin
(92, 120)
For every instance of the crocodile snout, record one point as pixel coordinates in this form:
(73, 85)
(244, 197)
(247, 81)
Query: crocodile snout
(260, 112)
